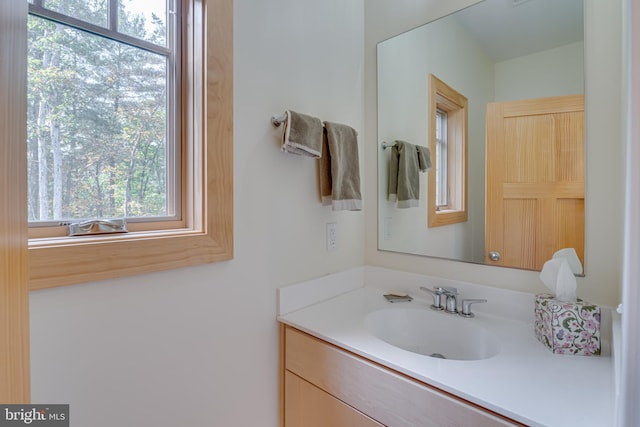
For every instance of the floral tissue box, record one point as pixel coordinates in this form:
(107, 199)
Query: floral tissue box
(567, 327)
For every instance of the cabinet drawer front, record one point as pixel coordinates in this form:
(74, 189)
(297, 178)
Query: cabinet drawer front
(384, 395)
(308, 406)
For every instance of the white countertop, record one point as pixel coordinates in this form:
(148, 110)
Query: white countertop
(524, 381)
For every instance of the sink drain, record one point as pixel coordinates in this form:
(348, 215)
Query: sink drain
(437, 355)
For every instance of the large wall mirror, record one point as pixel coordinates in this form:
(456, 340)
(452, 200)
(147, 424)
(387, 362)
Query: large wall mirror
(519, 64)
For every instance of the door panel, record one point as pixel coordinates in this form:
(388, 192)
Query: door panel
(519, 216)
(535, 180)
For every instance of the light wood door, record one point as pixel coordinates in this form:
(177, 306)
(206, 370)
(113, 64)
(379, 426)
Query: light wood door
(535, 180)
(14, 296)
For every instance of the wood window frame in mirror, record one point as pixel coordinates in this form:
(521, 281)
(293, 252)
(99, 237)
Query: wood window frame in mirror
(444, 98)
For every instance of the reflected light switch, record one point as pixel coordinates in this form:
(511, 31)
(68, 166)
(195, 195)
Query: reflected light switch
(387, 228)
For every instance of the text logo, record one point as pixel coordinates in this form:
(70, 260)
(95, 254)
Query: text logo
(34, 415)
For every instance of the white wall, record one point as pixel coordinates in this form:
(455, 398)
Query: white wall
(199, 346)
(604, 165)
(553, 72)
(629, 387)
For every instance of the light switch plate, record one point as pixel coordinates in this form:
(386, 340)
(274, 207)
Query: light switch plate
(332, 236)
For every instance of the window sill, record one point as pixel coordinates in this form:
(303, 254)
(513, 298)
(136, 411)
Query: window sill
(446, 217)
(70, 260)
(104, 238)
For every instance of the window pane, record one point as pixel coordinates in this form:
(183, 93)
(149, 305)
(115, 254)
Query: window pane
(93, 11)
(145, 19)
(441, 159)
(97, 126)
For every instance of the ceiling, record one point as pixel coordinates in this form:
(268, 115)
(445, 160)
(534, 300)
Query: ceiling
(511, 28)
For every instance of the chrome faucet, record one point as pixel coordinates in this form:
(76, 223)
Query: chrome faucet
(436, 293)
(451, 305)
(451, 301)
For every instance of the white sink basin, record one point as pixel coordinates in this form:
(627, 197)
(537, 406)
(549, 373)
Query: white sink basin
(432, 333)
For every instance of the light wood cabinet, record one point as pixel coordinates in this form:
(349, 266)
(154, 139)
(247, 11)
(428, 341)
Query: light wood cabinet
(325, 385)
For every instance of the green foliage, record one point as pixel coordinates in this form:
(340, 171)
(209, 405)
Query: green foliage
(97, 113)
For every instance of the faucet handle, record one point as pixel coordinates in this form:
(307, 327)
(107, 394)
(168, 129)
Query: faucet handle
(436, 294)
(448, 291)
(466, 307)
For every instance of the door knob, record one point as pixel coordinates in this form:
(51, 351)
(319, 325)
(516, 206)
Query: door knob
(494, 256)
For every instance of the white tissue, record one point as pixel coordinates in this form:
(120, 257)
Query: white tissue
(572, 258)
(558, 274)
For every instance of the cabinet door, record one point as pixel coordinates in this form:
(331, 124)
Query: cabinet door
(308, 406)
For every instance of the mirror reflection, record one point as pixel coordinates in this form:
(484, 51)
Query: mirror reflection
(515, 158)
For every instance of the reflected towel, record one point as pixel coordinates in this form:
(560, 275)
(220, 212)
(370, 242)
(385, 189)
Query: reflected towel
(406, 161)
(340, 168)
(302, 135)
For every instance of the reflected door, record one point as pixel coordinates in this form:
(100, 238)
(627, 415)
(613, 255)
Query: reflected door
(535, 180)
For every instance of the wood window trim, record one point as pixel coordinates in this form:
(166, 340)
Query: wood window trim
(14, 296)
(208, 233)
(443, 97)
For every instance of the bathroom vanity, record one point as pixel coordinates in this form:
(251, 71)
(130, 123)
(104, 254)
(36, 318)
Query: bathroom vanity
(349, 359)
(325, 385)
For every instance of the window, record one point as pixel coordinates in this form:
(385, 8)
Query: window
(173, 136)
(103, 112)
(441, 157)
(447, 197)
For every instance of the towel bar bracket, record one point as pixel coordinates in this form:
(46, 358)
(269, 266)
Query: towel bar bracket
(386, 145)
(278, 119)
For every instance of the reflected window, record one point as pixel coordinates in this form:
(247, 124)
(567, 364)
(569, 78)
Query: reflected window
(441, 157)
(448, 144)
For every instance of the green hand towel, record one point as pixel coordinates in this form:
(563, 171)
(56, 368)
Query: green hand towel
(302, 135)
(406, 161)
(340, 168)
